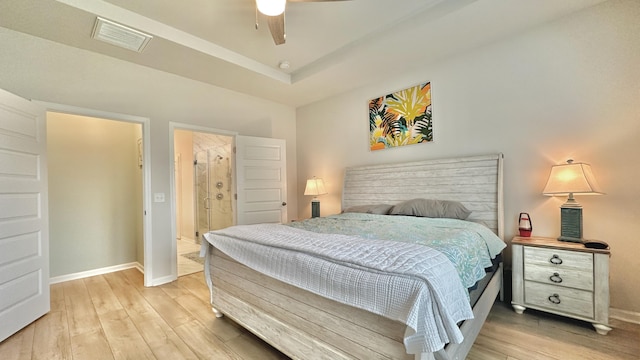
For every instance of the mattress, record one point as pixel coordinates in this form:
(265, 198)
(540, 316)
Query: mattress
(470, 246)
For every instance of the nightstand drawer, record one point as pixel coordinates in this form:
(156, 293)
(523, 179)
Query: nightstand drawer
(559, 299)
(552, 275)
(558, 259)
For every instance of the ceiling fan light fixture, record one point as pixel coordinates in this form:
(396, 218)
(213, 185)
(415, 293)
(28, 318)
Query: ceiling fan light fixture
(271, 7)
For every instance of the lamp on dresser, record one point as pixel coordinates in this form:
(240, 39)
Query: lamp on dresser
(568, 180)
(314, 188)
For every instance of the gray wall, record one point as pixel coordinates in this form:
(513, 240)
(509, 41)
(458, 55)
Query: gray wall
(46, 71)
(568, 89)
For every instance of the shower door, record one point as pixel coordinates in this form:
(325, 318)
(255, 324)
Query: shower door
(212, 177)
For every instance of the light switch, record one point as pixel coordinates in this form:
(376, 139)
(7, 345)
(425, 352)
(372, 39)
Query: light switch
(158, 197)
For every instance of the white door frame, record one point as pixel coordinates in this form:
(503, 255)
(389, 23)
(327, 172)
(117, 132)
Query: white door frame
(173, 126)
(146, 170)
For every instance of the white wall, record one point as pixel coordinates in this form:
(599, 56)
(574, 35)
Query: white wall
(569, 89)
(94, 193)
(43, 70)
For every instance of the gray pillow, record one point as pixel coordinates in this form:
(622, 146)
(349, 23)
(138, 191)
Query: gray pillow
(431, 208)
(377, 209)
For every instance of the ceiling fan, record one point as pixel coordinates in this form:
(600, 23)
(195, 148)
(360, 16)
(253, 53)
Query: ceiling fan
(274, 10)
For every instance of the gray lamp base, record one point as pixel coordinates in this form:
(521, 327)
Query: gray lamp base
(315, 208)
(571, 224)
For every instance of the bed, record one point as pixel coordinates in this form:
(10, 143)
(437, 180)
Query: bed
(358, 319)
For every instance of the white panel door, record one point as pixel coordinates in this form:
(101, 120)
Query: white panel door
(24, 228)
(261, 173)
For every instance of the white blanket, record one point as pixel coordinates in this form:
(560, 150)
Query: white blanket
(410, 283)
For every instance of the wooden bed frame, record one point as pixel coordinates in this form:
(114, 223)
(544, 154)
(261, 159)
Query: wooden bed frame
(304, 325)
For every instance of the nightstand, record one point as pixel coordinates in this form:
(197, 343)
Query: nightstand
(562, 278)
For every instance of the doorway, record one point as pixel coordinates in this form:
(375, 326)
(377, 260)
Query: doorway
(203, 164)
(95, 186)
(143, 149)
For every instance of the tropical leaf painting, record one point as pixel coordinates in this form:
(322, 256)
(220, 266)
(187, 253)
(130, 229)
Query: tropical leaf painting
(401, 118)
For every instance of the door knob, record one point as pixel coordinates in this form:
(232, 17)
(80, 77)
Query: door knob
(284, 203)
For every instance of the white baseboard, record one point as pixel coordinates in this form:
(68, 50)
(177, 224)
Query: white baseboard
(94, 272)
(624, 315)
(163, 280)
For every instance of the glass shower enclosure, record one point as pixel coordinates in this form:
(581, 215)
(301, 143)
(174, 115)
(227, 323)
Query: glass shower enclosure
(213, 205)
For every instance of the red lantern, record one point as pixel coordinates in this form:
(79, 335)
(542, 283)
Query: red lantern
(524, 225)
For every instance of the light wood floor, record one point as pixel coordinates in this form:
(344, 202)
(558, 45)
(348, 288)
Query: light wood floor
(186, 266)
(114, 317)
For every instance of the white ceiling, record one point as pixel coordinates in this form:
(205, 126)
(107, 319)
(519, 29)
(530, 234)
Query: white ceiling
(332, 46)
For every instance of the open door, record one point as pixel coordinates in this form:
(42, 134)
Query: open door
(261, 173)
(24, 228)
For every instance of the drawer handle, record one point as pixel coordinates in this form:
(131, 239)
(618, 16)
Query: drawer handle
(555, 278)
(555, 298)
(555, 259)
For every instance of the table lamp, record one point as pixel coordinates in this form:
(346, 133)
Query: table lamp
(315, 187)
(571, 179)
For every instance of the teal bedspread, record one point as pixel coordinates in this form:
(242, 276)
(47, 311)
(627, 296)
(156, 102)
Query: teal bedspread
(469, 246)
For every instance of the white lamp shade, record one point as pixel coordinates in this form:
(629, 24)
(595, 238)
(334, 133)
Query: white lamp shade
(271, 7)
(315, 187)
(576, 178)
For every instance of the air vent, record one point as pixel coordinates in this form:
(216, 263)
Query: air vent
(120, 35)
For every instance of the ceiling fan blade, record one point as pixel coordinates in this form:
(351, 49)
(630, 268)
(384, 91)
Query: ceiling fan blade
(276, 23)
(276, 26)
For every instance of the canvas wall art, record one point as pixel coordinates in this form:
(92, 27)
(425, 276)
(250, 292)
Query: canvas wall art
(401, 118)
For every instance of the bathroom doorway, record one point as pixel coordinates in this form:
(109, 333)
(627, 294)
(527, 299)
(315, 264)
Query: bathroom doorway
(203, 188)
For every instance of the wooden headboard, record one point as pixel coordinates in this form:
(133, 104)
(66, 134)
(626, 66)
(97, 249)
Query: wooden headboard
(475, 181)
